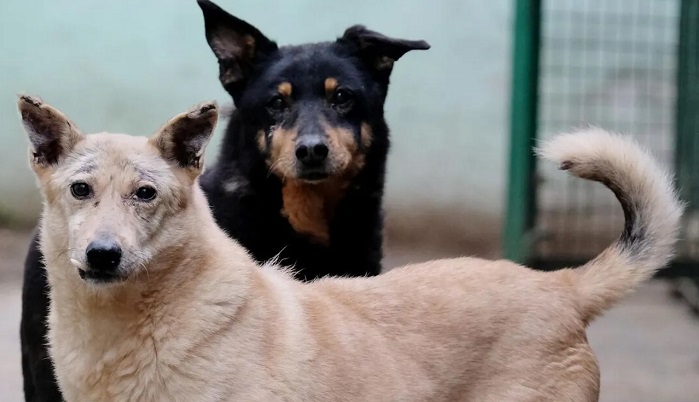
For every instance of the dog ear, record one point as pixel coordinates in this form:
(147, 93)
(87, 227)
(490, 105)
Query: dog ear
(236, 44)
(50, 132)
(377, 50)
(183, 139)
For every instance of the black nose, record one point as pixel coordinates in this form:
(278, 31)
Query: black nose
(103, 255)
(312, 151)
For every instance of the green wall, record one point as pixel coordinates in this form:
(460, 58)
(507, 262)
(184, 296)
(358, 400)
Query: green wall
(127, 66)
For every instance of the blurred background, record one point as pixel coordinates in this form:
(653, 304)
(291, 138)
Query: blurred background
(461, 179)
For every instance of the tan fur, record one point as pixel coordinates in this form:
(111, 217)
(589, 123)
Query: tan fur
(261, 141)
(282, 149)
(330, 85)
(367, 135)
(285, 89)
(345, 159)
(622, 164)
(199, 321)
(345, 156)
(309, 207)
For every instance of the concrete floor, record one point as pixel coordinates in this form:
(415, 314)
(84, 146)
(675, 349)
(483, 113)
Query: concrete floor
(648, 347)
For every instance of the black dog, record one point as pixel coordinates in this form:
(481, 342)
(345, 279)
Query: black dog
(300, 174)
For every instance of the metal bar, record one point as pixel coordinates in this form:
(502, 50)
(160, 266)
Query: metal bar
(686, 133)
(521, 195)
(686, 124)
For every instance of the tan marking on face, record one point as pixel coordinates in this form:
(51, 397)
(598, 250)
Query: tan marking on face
(367, 135)
(330, 86)
(345, 157)
(261, 141)
(282, 152)
(310, 207)
(285, 89)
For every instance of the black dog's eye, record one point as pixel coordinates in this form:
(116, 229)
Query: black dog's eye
(80, 190)
(341, 97)
(277, 103)
(145, 193)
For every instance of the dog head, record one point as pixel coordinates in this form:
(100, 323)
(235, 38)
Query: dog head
(310, 108)
(110, 200)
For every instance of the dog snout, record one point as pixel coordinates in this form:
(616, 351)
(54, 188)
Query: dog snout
(312, 151)
(103, 255)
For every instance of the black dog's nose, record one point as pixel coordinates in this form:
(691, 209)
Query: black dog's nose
(103, 255)
(312, 151)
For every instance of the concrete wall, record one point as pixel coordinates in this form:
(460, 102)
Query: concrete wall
(128, 65)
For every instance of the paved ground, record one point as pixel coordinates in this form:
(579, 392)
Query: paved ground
(648, 347)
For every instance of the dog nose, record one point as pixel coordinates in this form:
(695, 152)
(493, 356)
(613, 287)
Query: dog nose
(103, 255)
(312, 151)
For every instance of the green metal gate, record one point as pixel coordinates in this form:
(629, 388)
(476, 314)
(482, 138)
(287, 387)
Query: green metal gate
(625, 65)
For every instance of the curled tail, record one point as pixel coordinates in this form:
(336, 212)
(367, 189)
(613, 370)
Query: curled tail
(651, 208)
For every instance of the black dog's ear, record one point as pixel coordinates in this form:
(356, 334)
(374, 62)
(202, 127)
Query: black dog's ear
(378, 50)
(183, 139)
(50, 132)
(236, 44)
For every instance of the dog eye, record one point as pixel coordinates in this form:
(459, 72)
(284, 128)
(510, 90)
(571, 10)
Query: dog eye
(341, 97)
(145, 193)
(80, 190)
(277, 103)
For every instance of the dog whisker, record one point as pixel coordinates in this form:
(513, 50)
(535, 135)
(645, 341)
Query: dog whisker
(274, 164)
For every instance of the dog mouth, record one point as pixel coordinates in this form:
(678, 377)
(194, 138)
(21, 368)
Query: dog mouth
(314, 176)
(97, 276)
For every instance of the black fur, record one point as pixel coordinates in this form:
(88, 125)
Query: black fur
(39, 383)
(245, 197)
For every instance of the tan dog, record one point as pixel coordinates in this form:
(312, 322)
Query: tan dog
(151, 301)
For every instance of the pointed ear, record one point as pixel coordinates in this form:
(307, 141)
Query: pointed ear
(377, 50)
(50, 132)
(236, 44)
(183, 139)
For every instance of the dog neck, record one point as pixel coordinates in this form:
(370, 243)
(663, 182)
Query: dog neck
(310, 207)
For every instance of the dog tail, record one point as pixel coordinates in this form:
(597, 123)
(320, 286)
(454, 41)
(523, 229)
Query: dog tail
(651, 208)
